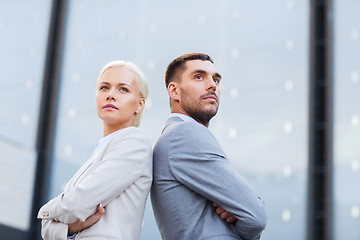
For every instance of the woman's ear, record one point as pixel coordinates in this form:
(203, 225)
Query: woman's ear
(141, 106)
(173, 91)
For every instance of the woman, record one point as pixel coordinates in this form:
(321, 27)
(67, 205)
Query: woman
(117, 176)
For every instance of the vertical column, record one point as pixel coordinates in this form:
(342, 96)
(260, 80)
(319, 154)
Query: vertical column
(320, 122)
(48, 109)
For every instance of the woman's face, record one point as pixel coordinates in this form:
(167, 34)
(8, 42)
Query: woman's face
(118, 98)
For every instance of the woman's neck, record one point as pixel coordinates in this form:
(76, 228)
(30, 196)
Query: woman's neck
(108, 129)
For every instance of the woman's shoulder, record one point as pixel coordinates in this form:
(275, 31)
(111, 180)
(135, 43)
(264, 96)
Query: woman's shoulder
(131, 133)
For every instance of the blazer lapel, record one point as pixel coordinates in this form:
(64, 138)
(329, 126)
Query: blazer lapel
(84, 168)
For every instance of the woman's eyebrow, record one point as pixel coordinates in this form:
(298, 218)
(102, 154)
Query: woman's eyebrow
(106, 83)
(123, 84)
(118, 85)
(204, 72)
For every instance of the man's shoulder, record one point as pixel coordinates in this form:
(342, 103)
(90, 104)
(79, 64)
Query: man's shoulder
(187, 127)
(185, 132)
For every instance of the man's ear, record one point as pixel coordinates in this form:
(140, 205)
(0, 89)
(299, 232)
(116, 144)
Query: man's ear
(173, 91)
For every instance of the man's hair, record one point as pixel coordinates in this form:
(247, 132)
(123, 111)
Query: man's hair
(179, 62)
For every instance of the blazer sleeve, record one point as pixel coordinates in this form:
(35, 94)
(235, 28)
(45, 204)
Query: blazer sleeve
(122, 164)
(51, 230)
(198, 162)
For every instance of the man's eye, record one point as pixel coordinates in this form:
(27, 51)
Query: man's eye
(216, 80)
(199, 77)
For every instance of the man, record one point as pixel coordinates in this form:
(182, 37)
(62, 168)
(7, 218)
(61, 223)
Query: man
(193, 179)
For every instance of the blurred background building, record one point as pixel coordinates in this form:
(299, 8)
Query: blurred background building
(289, 117)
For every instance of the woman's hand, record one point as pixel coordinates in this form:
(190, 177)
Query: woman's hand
(78, 226)
(227, 216)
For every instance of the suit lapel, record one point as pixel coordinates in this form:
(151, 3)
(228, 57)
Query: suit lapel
(85, 167)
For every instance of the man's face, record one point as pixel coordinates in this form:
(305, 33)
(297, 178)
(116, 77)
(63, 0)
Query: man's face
(199, 90)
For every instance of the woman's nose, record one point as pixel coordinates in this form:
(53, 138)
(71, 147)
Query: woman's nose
(110, 96)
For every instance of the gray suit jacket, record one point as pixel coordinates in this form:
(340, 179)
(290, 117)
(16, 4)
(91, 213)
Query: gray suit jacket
(190, 172)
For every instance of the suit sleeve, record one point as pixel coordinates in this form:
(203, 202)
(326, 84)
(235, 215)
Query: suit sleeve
(203, 167)
(121, 166)
(51, 230)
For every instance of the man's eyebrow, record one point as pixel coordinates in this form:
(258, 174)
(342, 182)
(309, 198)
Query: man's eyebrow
(204, 72)
(198, 71)
(218, 75)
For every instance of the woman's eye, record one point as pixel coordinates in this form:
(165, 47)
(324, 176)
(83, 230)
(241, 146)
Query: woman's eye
(104, 88)
(123, 90)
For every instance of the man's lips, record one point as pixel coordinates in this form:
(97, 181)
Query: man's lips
(211, 97)
(110, 107)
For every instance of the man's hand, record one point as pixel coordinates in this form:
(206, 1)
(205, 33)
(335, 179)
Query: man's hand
(79, 226)
(227, 216)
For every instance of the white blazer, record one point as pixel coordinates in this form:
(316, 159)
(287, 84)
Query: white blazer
(119, 177)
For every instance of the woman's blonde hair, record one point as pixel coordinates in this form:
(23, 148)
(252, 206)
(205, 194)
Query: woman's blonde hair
(139, 76)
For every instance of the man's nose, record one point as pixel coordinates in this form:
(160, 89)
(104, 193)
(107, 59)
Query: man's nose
(211, 84)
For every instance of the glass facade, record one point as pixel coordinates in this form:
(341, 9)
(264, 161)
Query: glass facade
(262, 122)
(347, 115)
(261, 49)
(23, 36)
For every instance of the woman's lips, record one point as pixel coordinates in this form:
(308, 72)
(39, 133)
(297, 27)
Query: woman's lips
(110, 107)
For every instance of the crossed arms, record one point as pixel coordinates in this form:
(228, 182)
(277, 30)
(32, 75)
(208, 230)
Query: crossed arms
(101, 181)
(204, 168)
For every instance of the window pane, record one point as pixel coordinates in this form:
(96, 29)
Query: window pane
(23, 36)
(347, 115)
(261, 49)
